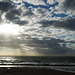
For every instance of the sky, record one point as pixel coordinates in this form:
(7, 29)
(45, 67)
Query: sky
(37, 27)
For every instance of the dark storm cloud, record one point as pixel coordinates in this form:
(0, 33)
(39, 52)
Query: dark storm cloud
(21, 23)
(5, 6)
(51, 46)
(46, 23)
(67, 24)
(0, 19)
(28, 13)
(12, 14)
(69, 4)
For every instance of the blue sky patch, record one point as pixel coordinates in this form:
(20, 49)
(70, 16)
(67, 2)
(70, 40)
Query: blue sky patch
(59, 15)
(41, 6)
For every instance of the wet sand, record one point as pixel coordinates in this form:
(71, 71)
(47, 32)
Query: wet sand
(31, 71)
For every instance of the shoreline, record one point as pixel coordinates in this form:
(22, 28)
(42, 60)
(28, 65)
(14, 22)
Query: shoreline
(31, 71)
(69, 69)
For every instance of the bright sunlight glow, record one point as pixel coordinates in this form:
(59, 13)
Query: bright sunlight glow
(8, 29)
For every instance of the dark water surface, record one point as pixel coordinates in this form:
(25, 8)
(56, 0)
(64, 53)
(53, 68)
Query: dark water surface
(41, 60)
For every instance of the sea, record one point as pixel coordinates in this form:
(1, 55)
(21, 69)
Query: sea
(62, 63)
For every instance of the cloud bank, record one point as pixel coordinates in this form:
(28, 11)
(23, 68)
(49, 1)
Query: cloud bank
(45, 27)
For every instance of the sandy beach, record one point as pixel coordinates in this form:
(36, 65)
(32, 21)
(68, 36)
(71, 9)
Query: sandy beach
(31, 71)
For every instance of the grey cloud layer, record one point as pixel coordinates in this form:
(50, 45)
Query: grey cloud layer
(28, 13)
(5, 6)
(46, 23)
(51, 46)
(67, 24)
(12, 14)
(69, 4)
(45, 47)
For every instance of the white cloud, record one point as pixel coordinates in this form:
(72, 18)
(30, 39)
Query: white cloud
(51, 1)
(16, 1)
(35, 2)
